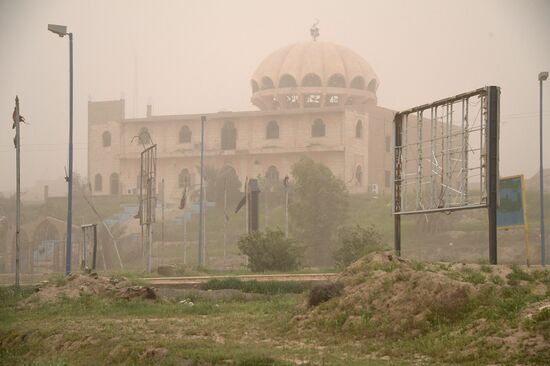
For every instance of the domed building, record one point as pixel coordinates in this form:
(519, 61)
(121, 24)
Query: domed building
(316, 99)
(313, 74)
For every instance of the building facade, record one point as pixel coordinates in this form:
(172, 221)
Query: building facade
(315, 99)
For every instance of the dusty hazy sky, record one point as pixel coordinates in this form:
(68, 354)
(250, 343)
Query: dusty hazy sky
(198, 56)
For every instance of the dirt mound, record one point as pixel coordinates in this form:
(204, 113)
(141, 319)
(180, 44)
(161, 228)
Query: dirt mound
(77, 285)
(387, 296)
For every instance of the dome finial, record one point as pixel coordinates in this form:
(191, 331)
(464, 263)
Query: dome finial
(314, 30)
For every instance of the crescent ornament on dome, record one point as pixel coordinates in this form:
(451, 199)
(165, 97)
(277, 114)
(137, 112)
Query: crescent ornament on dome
(314, 30)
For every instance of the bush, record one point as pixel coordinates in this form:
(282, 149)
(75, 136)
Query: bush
(270, 251)
(355, 243)
(324, 292)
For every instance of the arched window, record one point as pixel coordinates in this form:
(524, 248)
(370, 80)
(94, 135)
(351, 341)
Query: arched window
(267, 83)
(311, 80)
(372, 85)
(144, 136)
(272, 130)
(113, 183)
(184, 179)
(272, 175)
(358, 83)
(359, 129)
(106, 139)
(255, 86)
(359, 175)
(229, 136)
(287, 81)
(185, 135)
(337, 81)
(318, 128)
(98, 183)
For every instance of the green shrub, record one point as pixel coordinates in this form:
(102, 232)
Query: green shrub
(270, 251)
(355, 243)
(323, 292)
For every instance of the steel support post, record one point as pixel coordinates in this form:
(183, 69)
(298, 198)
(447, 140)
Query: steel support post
(94, 255)
(493, 101)
(18, 195)
(541, 178)
(397, 168)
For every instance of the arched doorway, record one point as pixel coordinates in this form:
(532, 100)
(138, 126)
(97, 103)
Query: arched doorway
(113, 184)
(47, 248)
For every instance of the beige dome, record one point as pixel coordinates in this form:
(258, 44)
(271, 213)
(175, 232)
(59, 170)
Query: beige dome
(321, 68)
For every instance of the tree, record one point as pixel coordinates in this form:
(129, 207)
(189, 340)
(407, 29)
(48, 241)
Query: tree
(355, 243)
(270, 251)
(319, 207)
(215, 181)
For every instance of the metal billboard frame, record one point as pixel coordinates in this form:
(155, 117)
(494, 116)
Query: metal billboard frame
(488, 155)
(147, 199)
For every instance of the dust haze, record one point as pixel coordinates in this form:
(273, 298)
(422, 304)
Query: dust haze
(198, 57)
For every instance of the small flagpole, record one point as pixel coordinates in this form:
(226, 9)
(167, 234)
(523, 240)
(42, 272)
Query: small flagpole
(285, 183)
(224, 220)
(184, 226)
(162, 227)
(246, 203)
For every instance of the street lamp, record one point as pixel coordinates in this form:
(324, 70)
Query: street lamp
(542, 76)
(61, 31)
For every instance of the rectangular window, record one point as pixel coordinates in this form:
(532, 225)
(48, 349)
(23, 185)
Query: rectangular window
(387, 178)
(388, 143)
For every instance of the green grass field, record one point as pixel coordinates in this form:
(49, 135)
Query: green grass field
(230, 322)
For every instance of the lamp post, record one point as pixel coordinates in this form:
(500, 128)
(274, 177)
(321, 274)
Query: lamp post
(61, 31)
(542, 76)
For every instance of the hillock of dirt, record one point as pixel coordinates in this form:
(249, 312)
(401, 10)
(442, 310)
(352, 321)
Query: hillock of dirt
(387, 297)
(77, 285)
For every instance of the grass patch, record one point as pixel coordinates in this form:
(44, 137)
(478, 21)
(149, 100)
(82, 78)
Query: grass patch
(486, 268)
(418, 266)
(258, 287)
(11, 295)
(518, 274)
(541, 323)
(497, 280)
(472, 276)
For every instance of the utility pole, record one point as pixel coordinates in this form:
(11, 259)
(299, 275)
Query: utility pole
(16, 122)
(61, 31)
(70, 178)
(542, 77)
(201, 198)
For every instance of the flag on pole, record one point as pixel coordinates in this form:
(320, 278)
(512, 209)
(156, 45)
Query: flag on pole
(243, 201)
(241, 204)
(183, 200)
